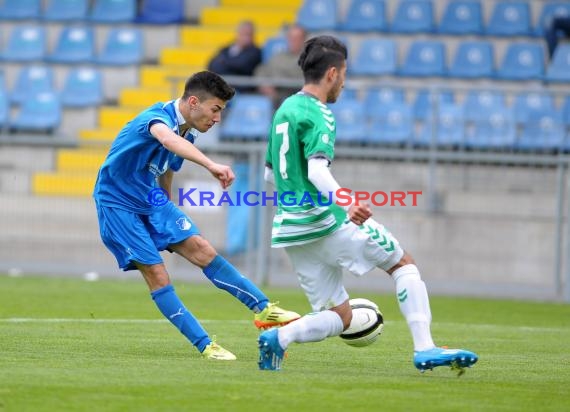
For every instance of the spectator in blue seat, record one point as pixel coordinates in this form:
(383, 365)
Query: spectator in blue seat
(284, 65)
(240, 58)
(558, 24)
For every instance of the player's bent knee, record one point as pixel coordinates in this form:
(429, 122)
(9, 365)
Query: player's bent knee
(197, 250)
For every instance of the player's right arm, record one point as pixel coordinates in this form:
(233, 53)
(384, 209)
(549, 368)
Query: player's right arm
(183, 148)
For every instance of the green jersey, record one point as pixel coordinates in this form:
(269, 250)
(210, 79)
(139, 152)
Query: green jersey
(302, 128)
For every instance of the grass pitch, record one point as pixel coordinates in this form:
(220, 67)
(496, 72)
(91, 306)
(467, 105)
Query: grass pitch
(71, 345)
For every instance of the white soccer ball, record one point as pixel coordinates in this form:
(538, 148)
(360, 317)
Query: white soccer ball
(366, 325)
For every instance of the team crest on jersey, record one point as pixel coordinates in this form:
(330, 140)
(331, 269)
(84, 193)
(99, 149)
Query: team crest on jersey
(184, 224)
(325, 138)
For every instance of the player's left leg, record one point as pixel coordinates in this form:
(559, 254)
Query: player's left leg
(174, 231)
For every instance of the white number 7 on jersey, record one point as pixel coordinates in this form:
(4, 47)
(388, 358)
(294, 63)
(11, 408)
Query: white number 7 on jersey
(283, 128)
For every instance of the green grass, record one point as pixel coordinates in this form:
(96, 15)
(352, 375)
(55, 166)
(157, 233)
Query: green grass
(114, 365)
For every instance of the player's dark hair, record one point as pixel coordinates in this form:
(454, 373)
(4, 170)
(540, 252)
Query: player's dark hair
(206, 84)
(319, 54)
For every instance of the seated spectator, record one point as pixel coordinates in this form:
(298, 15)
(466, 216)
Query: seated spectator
(551, 33)
(240, 58)
(284, 65)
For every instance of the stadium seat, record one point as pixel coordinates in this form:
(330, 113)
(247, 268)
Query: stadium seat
(426, 101)
(413, 16)
(40, 112)
(382, 95)
(161, 12)
(510, 18)
(66, 10)
(375, 57)
(20, 9)
(492, 130)
(273, 46)
(473, 59)
(123, 47)
(566, 111)
(113, 11)
(248, 118)
(83, 87)
(318, 15)
(365, 16)
(559, 68)
(350, 120)
(32, 80)
(462, 17)
(543, 130)
(75, 45)
(522, 61)
(479, 104)
(4, 109)
(26, 43)
(391, 124)
(448, 131)
(550, 10)
(528, 103)
(424, 58)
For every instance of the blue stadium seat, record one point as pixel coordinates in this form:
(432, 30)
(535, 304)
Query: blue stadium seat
(161, 12)
(375, 57)
(566, 111)
(473, 59)
(365, 16)
(559, 68)
(66, 10)
(543, 130)
(40, 112)
(123, 47)
(462, 17)
(522, 61)
(113, 11)
(510, 18)
(248, 118)
(75, 45)
(382, 95)
(449, 129)
(83, 87)
(424, 58)
(273, 46)
(426, 102)
(550, 10)
(527, 103)
(492, 130)
(26, 43)
(317, 15)
(4, 109)
(20, 9)
(413, 16)
(350, 120)
(479, 104)
(32, 80)
(391, 124)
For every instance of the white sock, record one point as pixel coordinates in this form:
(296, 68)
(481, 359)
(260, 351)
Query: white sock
(412, 296)
(312, 327)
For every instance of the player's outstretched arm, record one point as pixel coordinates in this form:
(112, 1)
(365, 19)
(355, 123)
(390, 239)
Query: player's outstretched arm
(183, 148)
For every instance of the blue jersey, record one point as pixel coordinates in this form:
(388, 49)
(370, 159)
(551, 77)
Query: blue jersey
(136, 161)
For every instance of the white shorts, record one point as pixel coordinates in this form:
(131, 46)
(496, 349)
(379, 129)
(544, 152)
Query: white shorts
(359, 249)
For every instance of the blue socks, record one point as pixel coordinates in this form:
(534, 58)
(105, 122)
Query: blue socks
(225, 276)
(173, 310)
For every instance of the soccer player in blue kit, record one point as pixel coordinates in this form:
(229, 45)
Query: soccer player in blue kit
(142, 159)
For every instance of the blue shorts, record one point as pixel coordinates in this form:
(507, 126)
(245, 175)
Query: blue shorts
(133, 237)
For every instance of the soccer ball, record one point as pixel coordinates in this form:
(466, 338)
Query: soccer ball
(366, 325)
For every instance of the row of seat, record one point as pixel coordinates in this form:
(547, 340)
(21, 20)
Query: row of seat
(76, 44)
(101, 11)
(483, 121)
(461, 17)
(472, 59)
